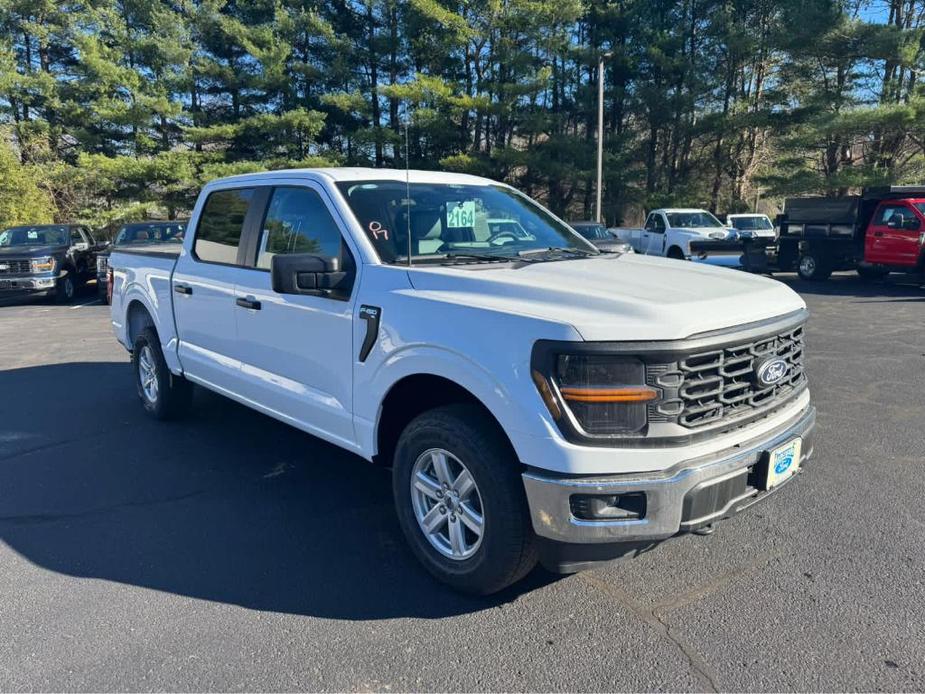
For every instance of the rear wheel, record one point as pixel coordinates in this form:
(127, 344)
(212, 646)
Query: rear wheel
(163, 395)
(460, 500)
(868, 272)
(812, 268)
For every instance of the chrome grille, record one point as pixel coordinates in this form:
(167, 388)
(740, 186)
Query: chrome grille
(15, 267)
(720, 385)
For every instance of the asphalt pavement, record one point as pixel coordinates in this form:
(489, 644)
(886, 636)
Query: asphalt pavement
(231, 552)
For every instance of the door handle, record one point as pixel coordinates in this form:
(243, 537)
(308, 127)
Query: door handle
(248, 302)
(878, 233)
(182, 289)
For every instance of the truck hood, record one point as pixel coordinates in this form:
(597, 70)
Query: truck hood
(626, 297)
(31, 251)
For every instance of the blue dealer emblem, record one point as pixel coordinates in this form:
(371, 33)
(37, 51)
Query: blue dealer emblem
(771, 371)
(783, 463)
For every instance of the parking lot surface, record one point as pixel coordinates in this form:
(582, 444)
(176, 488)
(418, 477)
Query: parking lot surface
(230, 552)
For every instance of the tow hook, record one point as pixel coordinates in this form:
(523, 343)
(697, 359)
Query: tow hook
(705, 530)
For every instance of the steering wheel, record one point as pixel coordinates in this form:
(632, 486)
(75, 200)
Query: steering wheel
(493, 239)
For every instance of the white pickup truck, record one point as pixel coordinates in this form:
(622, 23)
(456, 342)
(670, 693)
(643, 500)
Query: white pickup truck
(535, 398)
(668, 232)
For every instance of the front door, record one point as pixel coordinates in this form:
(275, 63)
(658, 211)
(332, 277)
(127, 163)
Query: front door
(204, 291)
(893, 236)
(296, 351)
(654, 237)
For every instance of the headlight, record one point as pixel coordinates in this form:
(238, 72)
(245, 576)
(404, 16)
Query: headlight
(718, 235)
(605, 394)
(43, 264)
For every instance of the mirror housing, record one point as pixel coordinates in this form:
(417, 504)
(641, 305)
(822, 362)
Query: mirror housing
(305, 273)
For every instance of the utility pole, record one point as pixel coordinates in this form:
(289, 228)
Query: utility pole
(600, 134)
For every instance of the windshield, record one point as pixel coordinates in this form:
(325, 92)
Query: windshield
(53, 235)
(447, 220)
(153, 233)
(693, 220)
(761, 223)
(593, 232)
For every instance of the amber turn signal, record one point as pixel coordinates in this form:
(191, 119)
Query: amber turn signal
(630, 394)
(546, 393)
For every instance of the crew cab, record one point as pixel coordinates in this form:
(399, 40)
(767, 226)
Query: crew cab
(137, 234)
(669, 232)
(536, 399)
(46, 260)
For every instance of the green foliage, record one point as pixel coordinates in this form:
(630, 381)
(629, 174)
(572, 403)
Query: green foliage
(119, 109)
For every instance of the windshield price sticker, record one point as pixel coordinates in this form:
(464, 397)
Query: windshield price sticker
(460, 214)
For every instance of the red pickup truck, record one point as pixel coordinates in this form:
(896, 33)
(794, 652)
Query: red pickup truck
(882, 230)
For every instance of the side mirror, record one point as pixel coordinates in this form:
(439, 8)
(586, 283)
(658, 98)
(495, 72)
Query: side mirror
(911, 224)
(305, 273)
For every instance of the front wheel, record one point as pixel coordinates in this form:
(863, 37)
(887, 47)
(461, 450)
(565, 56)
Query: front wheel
(163, 395)
(65, 289)
(460, 500)
(812, 268)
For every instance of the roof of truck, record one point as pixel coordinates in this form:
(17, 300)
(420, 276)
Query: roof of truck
(349, 173)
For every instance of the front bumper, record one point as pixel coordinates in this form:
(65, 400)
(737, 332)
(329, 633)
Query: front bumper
(45, 282)
(691, 495)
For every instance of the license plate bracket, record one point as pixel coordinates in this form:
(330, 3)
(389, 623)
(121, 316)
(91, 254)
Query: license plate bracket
(782, 463)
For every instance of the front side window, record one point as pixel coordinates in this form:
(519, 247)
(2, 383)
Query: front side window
(298, 221)
(920, 206)
(894, 213)
(220, 224)
(438, 221)
(693, 220)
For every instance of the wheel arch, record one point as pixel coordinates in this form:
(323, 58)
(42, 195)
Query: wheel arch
(414, 394)
(137, 318)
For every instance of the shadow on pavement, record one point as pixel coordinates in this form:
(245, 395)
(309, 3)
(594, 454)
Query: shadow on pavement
(896, 288)
(228, 505)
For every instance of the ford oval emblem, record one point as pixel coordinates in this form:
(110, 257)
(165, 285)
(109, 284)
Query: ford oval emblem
(783, 464)
(771, 371)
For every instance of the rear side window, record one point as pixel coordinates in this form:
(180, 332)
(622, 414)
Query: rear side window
(220, 224)
(298, 221)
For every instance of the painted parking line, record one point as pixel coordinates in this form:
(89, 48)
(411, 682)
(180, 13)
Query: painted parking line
(86, 303)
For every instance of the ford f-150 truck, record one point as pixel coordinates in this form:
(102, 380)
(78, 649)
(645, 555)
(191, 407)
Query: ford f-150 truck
(669, 232)
(534, 398)
(46, 260)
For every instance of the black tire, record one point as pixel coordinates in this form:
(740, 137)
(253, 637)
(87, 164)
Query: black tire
(812, 268)
(173, 394)
(870, 274)
(676, 253)
(507, 550)
(66, 289)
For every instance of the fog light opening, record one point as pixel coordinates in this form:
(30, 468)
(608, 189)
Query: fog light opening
(608, 507)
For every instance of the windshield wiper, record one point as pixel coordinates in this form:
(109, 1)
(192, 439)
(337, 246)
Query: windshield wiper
(557, 249)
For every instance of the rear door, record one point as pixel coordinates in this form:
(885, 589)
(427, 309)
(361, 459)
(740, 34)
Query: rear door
(204, 289)
(893, 235)
(296, 351)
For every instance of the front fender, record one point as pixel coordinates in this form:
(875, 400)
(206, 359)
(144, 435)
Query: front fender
(514, 402)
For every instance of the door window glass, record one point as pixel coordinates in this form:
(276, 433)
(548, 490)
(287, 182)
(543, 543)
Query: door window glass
(298, 221)
(220, 225)
(894, 213)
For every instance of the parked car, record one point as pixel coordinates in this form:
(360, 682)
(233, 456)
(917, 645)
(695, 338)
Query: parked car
(535, 399)
(137, 234)
(882, 230)
(753, 225)
(602, 237)
(878, 232)
(669, 232)
(46, 260)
